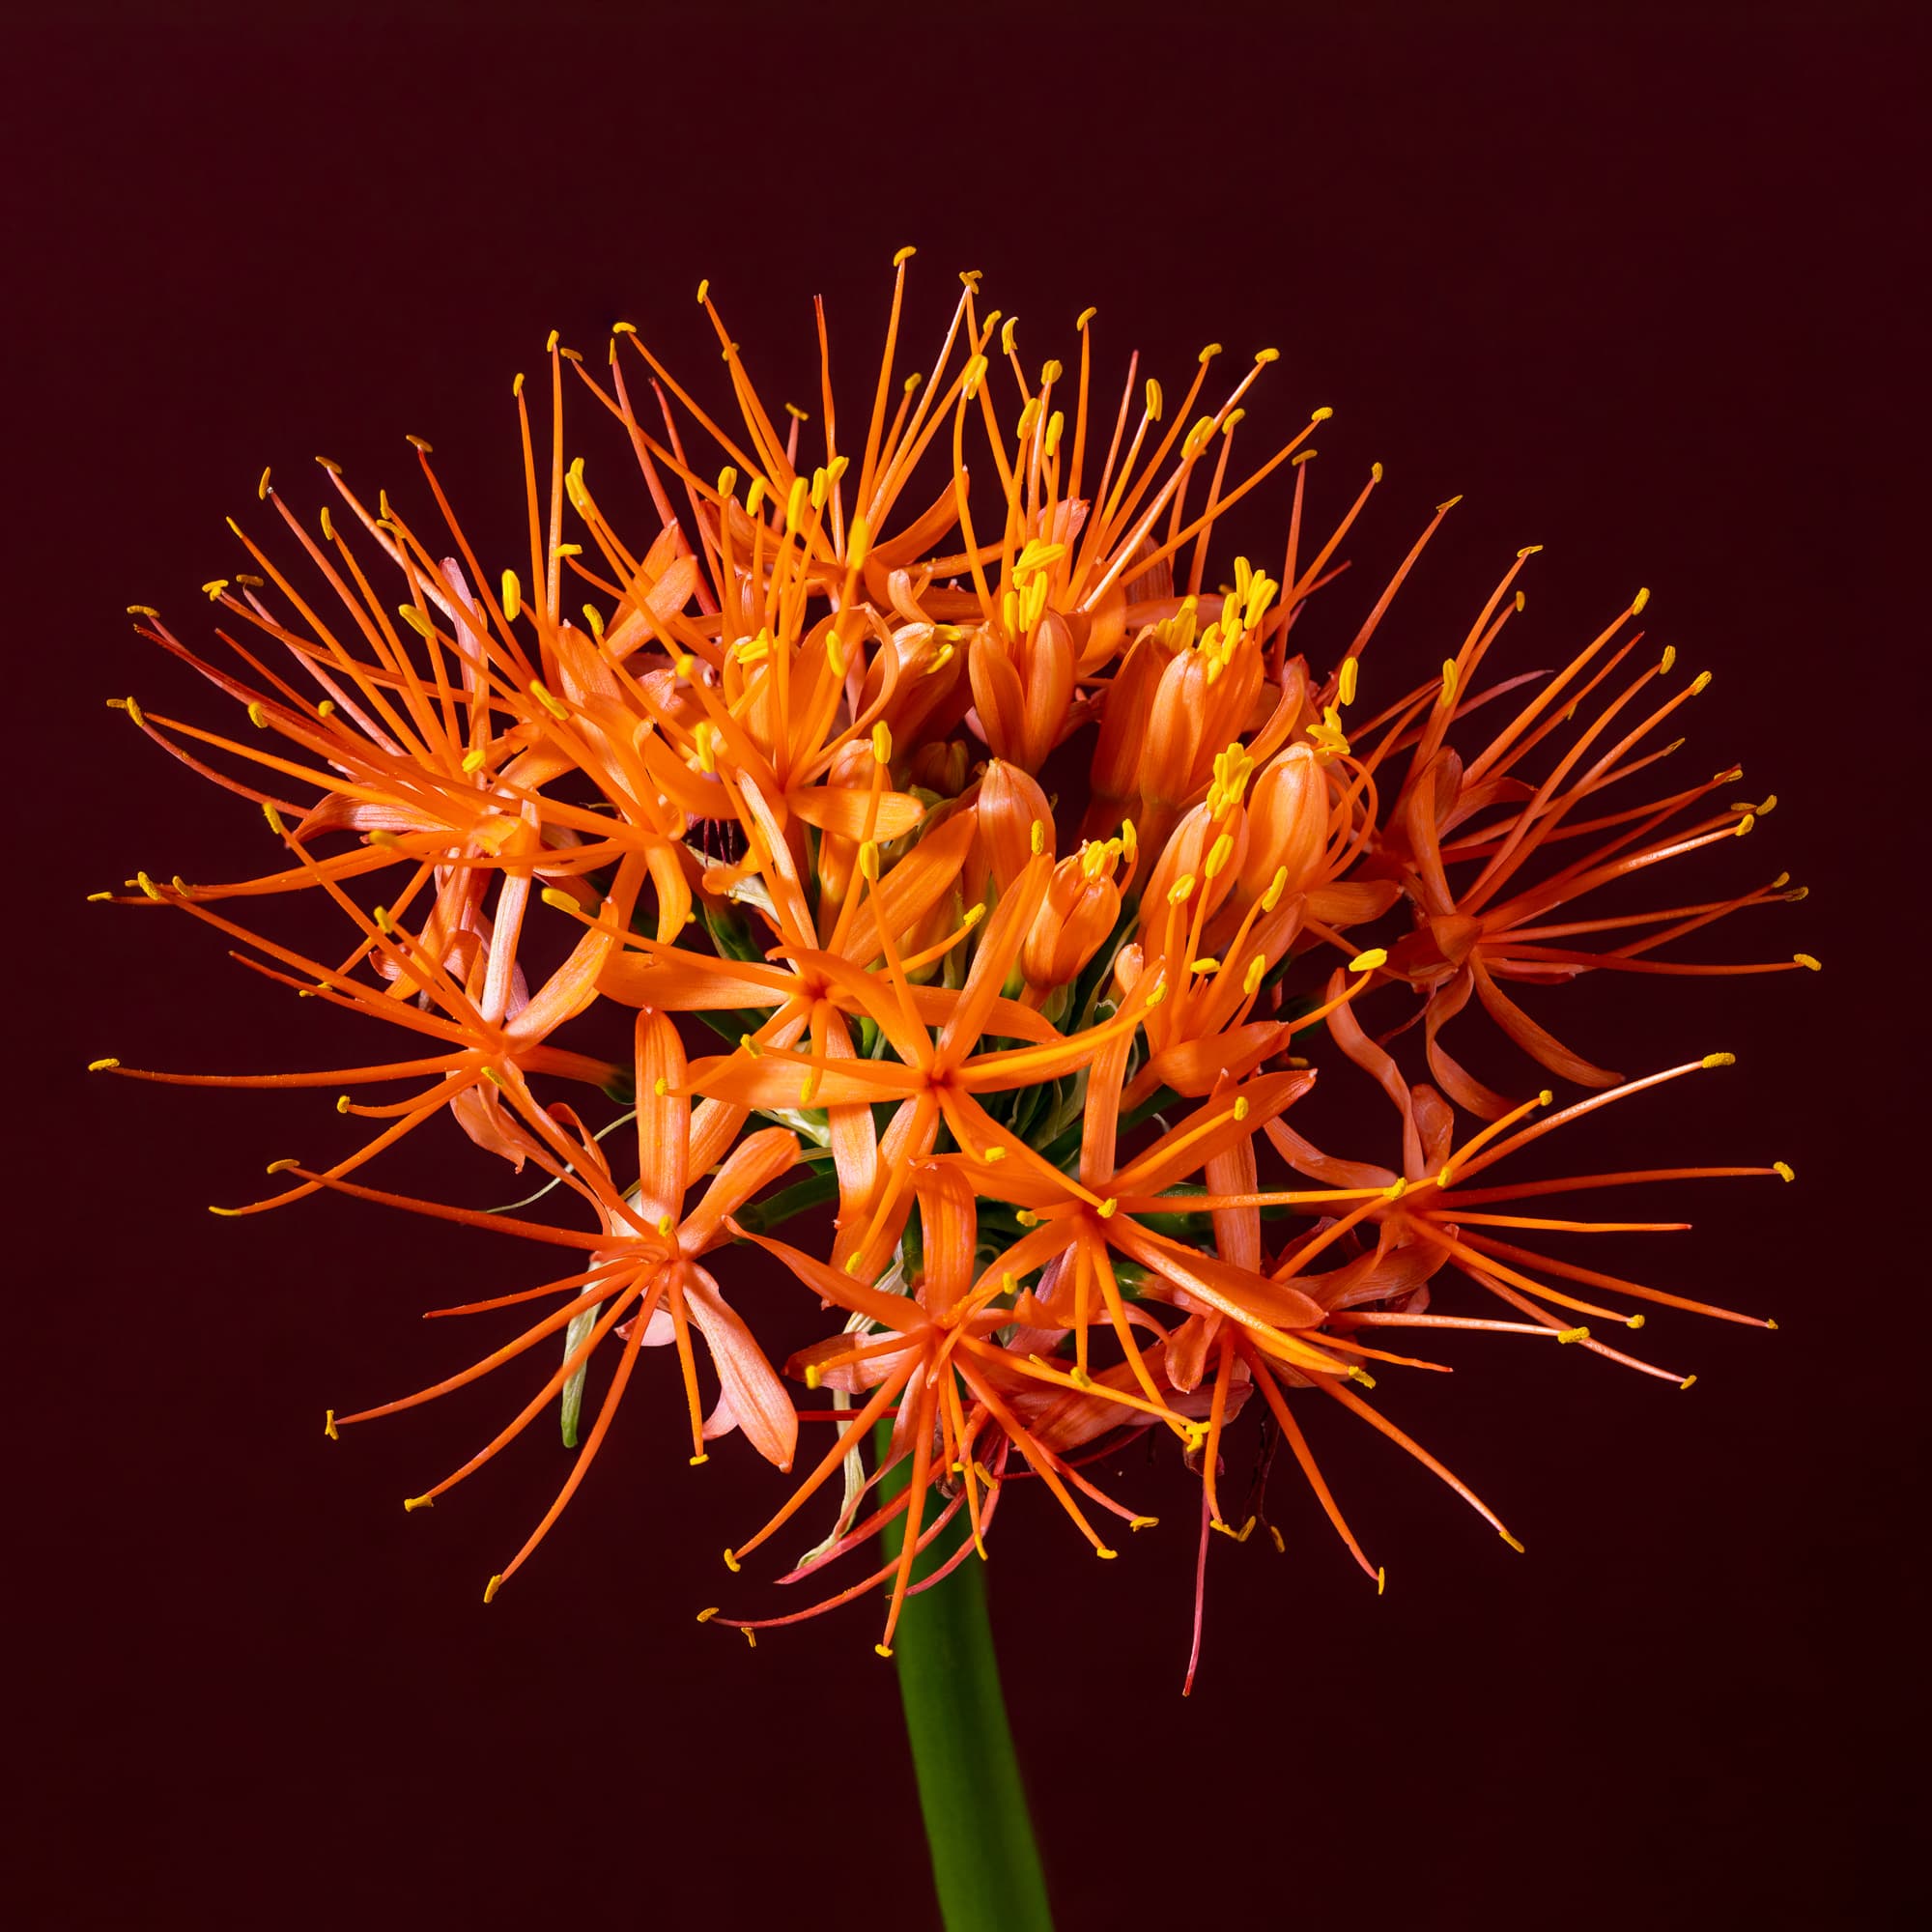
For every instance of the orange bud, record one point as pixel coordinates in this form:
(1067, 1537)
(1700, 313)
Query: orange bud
(941, 767)
(1082, 908)
(1287, 825)
(1010, 805)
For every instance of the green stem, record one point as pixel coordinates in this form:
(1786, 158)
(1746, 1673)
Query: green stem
(985, 1866)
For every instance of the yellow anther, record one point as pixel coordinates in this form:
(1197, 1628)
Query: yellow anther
(1699, 682)
(995, 1155)
(857, 543)
(1362, 1375)
(731, 1563)
(1203, 966)
(1805, 960)
(1573, 1334)
(342, 1103)
(755, 496)
(974, 374)
(1182, 889)
(1085, 316)
(147, 885)
(1268, 356)
(410, 1504)
(1143, 1523)
(728, 481)
(697, 1462)
(214, 588)
(1395, 1190)
(569, 550)
(1006, 335)
(1321, 414)
(882, 743)
(1687, 1381)
(1208, 355)
(1229, 421)
(623, 328)
(1108, 1208)
(1367, 962)
(704, 1616)
(812, 1375)
(1718, 1060)
(415, 620)
(102, 1066)
(143, 611)
(1745, 823)
(1242, 1107)
(751, 1046)
(99, 899)
(517, 385)
(256, 717)
(1302, 456)
(903, 256)
(491, 1588)
(1037, 837)
(795, 500)
(1252, 977)
(547, 699)
(1153, 400)
(1218, 855)
(883, 1649)
(703, 288)
(1449, 675)
(1782, 1167)
(1634, 1322)
(275, 818)
(1511, 1541)
(1101, 1550)
(1158, 994)
(1345, 684)
(869, 860)
(1529, 550)
(704, 742)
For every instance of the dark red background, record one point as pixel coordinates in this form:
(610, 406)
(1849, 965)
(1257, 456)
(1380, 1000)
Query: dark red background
(1638, 290)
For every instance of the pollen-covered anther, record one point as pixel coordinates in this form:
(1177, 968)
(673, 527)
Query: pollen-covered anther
(731, 1563)
(410, 1504)
(1367, 962)
(1783, 1170)
(1807, 961)
(1718, 1060)
(1577, 1334)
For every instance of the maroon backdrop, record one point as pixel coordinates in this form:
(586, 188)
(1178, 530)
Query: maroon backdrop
(1638, 292)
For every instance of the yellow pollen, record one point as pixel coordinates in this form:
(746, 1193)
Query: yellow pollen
(1209, 353)
(1102, 1551)
(1687, 1381)
(1720, 1059)
(903, 256)
(1143, 1523)
(697, 1462)
(1511, 1541)
(1321, 414)
(329, 1428)
(1805, 960)
(491, 1588)
(215, 586)
(704, 1616)
(883, 1649)
(882, 743)
(1182, 889)
(1345, 685)
(1218, 855)
(869, 860)
(102, 1066)
(1699, 682)
(413, 1504)
(1267, 355)
(1573, 1334)
(1382, 1575)
(731, 1563)
(1085, 316)
(1362, 1375)
(1637, 601)
(1782, 1167)
(1241, 1108)
(513, 597)
(1448, 682)
(1256, 968)
(1634, 1322)
(256, 717)
(1108, 1208)
(994, 1155)
(1367, 962)
(1153, 400)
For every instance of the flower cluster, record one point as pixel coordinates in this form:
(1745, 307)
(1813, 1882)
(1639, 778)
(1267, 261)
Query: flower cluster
(1043, 1066)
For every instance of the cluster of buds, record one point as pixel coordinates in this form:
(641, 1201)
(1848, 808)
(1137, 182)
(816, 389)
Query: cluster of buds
(777, 774)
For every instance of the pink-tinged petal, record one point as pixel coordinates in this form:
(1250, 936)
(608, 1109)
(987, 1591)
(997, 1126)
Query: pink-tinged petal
(1353, 902)
(757, 1161)
(1540, 1045)
(1250, 1299)
(747, 1380)
(567, 991)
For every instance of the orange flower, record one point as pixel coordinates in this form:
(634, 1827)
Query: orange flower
(775, 763)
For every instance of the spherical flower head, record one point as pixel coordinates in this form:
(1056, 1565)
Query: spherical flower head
(782, 770)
